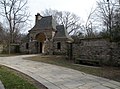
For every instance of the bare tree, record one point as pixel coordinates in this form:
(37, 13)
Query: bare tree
(106, 9)
(88, 27)
(14, 12)
(71, 21)
(109, 13)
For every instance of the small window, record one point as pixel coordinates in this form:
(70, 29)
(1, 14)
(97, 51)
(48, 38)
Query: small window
(31, 39)
(27, 46)
(58, 45)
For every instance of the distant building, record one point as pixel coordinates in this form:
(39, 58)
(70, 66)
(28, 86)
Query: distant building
(46, 37)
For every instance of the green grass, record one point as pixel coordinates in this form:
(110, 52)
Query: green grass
(12, 80)
(107, 72)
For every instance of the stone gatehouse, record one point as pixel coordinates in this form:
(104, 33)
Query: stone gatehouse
(46, 37)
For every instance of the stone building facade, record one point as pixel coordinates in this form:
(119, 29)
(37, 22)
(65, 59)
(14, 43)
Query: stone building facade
(46, 37)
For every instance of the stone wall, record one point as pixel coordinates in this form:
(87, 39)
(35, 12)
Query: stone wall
(30, 49)
(96, 49)
(1, 48)
(63, 48)
(115, 47)
(50, 47)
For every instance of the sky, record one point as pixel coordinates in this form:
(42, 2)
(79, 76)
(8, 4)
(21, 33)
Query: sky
(79, 7)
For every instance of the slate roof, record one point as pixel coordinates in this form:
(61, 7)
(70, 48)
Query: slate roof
(46, 22)
(62, 33)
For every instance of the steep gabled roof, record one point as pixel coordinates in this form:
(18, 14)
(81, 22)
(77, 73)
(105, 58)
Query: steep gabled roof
(46, 22)
(62, 33)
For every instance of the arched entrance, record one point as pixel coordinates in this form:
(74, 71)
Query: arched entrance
(40, 42)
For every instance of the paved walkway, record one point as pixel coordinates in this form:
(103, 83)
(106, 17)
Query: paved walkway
(1, 85)
(56, 77)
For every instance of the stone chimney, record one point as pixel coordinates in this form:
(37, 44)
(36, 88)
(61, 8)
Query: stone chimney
(37, 17)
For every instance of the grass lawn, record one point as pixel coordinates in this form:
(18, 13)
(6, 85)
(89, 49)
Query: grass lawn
(106, 72)
(12, 79)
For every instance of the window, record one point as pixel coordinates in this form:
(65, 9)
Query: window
(58, 45)
(27, 46)
(31, 39)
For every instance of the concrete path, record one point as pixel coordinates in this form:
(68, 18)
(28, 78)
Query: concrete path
(1, 85)
(56, 77)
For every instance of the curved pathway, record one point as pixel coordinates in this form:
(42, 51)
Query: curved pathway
(1, 85)
(56, 77)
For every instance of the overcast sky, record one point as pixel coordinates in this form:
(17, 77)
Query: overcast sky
(79, 7)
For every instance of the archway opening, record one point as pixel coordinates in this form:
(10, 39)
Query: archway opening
(40, 41)
(40, 37)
